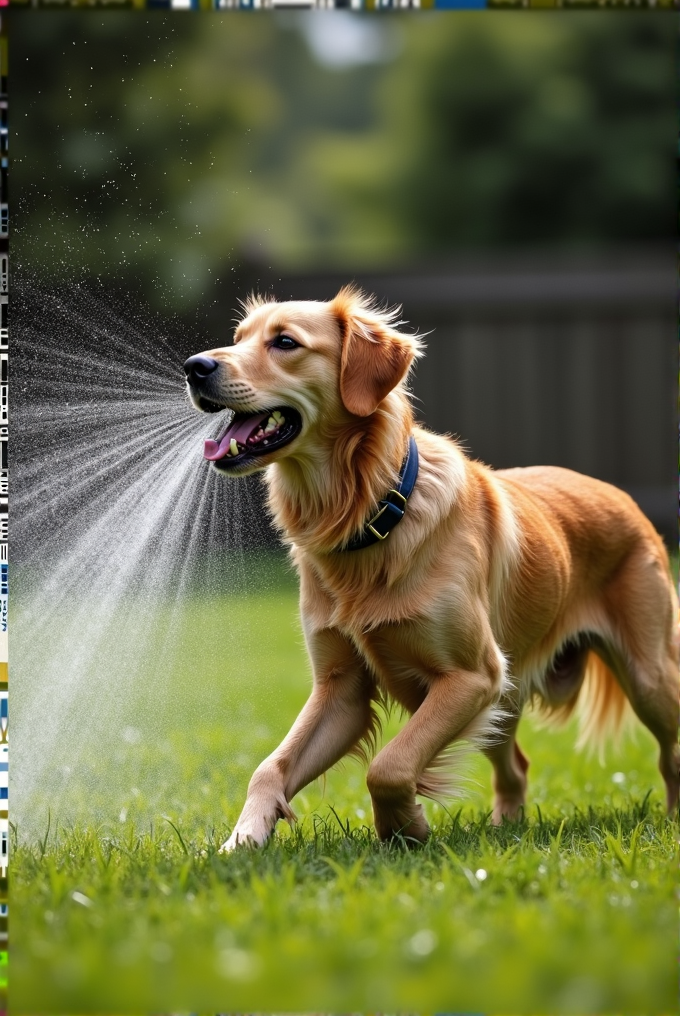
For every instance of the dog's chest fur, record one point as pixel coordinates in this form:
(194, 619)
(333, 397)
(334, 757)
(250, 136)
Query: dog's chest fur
(408, 633)
(405, 658)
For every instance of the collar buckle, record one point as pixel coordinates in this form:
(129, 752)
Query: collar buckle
(402, 498)
(392, 506)
(395, 514)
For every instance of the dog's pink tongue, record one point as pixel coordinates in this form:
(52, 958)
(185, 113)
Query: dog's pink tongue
(239, 430)
(214, 450)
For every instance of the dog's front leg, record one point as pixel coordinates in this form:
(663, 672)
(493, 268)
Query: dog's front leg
(455, 706)
(336, 716)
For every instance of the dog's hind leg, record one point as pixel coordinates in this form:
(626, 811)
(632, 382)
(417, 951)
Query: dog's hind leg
(661, 716)
(560, 684)
(510, 766)
(643, 606)
(653, 694)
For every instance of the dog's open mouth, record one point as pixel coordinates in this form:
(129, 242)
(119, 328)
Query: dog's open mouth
(251, 434)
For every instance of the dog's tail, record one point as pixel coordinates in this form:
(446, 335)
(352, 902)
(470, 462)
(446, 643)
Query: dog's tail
(602, 707)
(598, 701)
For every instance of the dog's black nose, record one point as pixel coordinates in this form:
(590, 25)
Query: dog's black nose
(198, 367)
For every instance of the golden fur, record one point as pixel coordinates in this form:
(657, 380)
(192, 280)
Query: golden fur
(496, 589)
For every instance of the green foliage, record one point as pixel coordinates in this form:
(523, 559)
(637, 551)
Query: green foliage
(328, 919)
(166, 150)
(555, 130)
(121, 901)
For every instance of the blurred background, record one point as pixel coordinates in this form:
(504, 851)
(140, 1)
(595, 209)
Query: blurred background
(508, 179)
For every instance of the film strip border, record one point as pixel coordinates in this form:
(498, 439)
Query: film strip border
(355, 5)
(4, 489)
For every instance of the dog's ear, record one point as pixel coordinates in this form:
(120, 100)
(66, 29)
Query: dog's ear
(375, 357)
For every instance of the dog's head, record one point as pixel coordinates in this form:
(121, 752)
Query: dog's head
(295, 368)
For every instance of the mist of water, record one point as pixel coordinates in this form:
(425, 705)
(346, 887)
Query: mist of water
(113, 509)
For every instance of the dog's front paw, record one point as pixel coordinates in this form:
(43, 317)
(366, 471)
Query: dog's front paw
(258, 818)
(257, 822)
(239, 840)
(248, 834)
(407, 822)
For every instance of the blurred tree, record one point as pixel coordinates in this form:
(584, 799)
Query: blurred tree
(123, 141)
(166, 149)
(554, 130)
(157, 148)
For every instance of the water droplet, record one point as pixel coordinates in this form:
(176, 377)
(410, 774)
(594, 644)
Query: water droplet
(423, 943)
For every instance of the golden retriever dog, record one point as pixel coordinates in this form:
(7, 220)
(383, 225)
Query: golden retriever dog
(495, 588)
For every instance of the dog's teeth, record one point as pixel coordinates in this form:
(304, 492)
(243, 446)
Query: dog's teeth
(276, 415)
(233, 447)
(272, 425)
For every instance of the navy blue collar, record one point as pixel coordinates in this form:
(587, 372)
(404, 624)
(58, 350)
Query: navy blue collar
(392, 507)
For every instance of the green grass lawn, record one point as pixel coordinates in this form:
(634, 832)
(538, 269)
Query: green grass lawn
(124, 905)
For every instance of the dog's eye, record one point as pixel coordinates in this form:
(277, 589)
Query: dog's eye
(284, 342)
